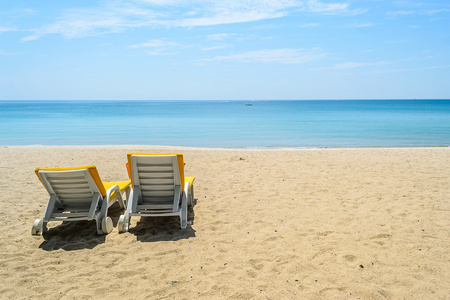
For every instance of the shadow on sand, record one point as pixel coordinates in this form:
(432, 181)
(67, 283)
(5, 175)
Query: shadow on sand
(78, 235)
(150, 229)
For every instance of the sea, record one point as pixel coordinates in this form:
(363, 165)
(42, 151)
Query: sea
(228, 124)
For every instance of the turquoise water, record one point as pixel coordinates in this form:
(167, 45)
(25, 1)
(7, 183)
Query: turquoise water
(365, 123)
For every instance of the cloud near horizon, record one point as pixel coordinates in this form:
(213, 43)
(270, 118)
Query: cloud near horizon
(280, 56)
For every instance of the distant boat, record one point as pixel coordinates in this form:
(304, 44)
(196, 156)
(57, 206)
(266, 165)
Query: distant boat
(248, 104)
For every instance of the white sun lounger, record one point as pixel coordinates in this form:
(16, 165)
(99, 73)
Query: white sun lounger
(159, 188)
(79, 194)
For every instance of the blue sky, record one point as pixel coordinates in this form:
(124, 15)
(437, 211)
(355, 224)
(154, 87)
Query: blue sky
(230, 49)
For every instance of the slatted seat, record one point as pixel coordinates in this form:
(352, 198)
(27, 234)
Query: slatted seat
(79, 194)
(159, 188)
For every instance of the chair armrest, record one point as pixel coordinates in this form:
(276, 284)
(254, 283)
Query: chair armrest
(109, 192)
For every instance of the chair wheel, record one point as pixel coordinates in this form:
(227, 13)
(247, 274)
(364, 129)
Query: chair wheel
(122, 225)
(37, 227)
(107, 225)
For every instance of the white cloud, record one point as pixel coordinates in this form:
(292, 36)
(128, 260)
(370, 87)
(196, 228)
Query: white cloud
(352, 65)
(412, 69)
(160, 47)
(81, 23)
(220, 36)
(217, 47)
(436, 11)
(6, 29)
(401, 12)
(30, 38)
(156, 52)
(281, 56)
(362, 25)
(307, 25)
(332, 8)
(316, 6)
(120, 15)
(349, 65)
(418, 12)
(156, 44)
(228, 17)
(112, 18)
(158, 2)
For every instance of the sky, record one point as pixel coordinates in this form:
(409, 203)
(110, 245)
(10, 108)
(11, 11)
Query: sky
(224, 49)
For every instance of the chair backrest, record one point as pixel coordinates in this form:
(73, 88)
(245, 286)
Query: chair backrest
(179, 161)
(74, 187)
(157, 178)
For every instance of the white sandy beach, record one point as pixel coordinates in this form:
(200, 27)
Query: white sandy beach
(269, 224)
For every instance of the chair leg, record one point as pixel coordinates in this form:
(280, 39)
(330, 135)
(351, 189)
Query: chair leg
(183, 223)
(98, 222)
(191, 199)
(183, 216)
(127, 195)
(124, 220)
(38, 227)
(124, 198)
(121, 202)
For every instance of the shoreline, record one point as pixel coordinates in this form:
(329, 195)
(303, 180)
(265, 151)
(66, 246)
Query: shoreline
(231, 148)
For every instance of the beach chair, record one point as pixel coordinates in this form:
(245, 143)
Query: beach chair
(159, 188)
(79, 194)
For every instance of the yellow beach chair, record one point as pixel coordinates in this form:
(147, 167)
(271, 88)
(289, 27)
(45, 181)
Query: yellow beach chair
(159, 188)
(79, 194)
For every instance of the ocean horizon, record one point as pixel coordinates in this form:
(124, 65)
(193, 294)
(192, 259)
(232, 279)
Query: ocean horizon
(227, 123)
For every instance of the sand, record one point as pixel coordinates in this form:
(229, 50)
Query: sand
(269, 224)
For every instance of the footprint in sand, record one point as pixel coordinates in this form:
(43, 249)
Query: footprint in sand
(350, 258)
